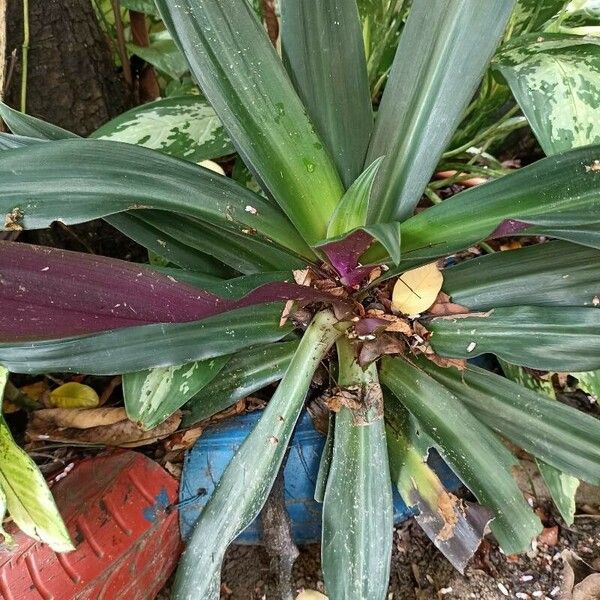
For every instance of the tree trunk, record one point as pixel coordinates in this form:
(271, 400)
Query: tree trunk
(71, 77)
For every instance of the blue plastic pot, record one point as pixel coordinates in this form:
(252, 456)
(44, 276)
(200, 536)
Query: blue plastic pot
(205, 462)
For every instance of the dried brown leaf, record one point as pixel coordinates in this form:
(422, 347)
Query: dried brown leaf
(371, 350)
(580, 580)
(443, 307)
(104, 426)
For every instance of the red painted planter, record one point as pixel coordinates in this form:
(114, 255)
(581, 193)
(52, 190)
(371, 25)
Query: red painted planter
(127, 545)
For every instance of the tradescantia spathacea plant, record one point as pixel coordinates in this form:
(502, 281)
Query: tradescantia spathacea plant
(333, 263)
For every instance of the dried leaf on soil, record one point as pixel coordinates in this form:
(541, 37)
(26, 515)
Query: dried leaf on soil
(104, 426)
(580, 580)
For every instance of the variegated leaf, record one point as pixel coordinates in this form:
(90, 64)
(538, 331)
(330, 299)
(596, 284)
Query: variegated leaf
(186, 127)
(556, 81)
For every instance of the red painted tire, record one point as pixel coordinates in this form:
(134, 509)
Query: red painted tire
(127, 545)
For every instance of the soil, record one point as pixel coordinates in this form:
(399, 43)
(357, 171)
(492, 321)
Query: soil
(420, 572)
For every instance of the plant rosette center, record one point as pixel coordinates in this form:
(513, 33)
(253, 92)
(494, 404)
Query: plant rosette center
(384, 318)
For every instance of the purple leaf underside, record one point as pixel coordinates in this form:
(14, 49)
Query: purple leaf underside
(344, 255)
(47, 293)
(508, 227)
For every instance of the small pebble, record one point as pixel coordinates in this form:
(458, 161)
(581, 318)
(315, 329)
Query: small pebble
(525, 578)
(445, 591)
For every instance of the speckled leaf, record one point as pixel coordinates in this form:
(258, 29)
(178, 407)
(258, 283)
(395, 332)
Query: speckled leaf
(144, 6)
(589, 382)
(245, 373)
(186, 127)
(26, 493)
(323, 50)
(152, 396)
(241, 75)
(530, 15)
(545, 338)
(357, 506)
(245, 484)
(556, 81)
(444, 50)
(78, 180)
(474, 452)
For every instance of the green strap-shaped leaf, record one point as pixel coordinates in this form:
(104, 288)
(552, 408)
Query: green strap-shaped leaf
(186, 127)
(358, 513)
(443, 52)
(323, 51)
(561, 485)
(475, 453)
(455, 527)
(353, 208)
(351, 215)
(555, 78)
(26, 125)
(243, 253)
(10, 141)
(545, 338)
(152, 396)
(552, 274)
(588, 235)
(245, 484)
(25, 493)
(558, 191)
(79, 180)
(243, 78)
(245, 373)
(560, 435)
(148, 346)
(169, 247)
(325, 462)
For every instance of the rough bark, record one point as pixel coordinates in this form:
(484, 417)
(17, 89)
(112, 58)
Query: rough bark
(72, 80)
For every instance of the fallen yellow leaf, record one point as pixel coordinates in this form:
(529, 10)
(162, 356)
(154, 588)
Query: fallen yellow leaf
(311, 595)
(417, 289)
(74, 395)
